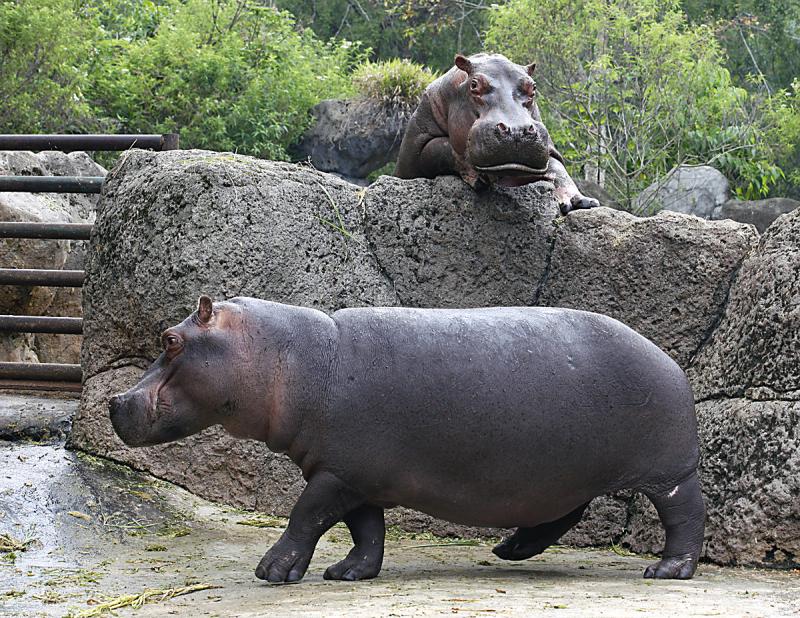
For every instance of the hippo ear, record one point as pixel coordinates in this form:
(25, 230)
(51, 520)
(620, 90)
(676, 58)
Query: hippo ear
(531, 68)
(205, 307)
(463, 63)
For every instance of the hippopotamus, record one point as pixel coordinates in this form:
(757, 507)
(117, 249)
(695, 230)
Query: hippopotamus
(480, 121)
(512, 417)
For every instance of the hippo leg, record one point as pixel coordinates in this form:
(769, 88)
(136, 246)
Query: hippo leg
(425, 156)
(365, 559)
(529, 542)
(682, 513)
(324, 502)
(567, 193)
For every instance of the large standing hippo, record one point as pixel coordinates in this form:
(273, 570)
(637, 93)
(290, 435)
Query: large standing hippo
(506, 417)
(480, 121)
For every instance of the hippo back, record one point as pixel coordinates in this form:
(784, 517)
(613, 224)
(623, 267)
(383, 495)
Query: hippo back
(504, 401)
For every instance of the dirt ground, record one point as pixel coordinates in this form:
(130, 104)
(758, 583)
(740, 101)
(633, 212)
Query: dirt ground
(89, 531)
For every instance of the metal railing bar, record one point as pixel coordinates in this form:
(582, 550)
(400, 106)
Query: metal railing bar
(41, 324)
(52, 184)
(71, 143)
(55, 231)
(30, 276)
(40, 371)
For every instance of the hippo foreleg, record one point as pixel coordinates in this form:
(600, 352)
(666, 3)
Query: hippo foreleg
(325, 501)
(529, 542)
(425, 156)
(365, 559)
(683, 514)
(567, 193)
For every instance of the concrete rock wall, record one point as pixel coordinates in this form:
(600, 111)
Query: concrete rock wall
(174, 225)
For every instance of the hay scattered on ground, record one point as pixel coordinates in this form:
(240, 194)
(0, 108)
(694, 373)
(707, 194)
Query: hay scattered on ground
(9, 544)
(137, 600)
(264, 521)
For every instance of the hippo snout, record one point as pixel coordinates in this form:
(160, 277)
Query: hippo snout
(125, 420)
(509, 148)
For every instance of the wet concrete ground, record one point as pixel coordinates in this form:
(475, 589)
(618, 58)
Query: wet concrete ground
(96, 530)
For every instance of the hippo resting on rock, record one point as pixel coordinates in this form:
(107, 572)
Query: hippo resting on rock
(480, 121)
(504, 417)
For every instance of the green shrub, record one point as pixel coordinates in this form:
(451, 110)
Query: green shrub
(399, 82)
(44, 51)
(225, 74)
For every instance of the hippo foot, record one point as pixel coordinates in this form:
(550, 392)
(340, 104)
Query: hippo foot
(518, 547)
(579, 202)
(674, 567)
(357, 565)
(285, 562)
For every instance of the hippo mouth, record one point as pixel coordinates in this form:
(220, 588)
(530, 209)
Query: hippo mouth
(512, 169)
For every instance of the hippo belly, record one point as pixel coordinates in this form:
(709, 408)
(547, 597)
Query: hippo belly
(503, 417)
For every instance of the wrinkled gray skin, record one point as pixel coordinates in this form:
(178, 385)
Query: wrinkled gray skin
(507, 417)
(480, 121)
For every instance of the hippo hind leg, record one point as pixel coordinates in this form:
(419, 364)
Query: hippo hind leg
(682, 513)
(529, 542)
(364, 561)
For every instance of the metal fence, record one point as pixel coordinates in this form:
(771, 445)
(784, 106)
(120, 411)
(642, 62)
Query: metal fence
(50, 376)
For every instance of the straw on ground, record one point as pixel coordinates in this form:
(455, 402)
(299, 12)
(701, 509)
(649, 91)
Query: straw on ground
(137, 600)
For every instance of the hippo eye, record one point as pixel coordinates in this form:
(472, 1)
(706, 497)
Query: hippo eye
(473, 85)
(171, 342)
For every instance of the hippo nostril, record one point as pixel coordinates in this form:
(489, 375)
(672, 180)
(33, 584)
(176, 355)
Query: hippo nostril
(530, 130)
(503, 128)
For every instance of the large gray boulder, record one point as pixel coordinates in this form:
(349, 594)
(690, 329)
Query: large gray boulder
(353, 137)
(443, 245)
(668, 275)
(756, 346)
(747, 383)
(760, 213)
(48, 254)
(177, 224)
(691, 190)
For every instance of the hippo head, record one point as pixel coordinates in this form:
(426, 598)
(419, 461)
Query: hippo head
(506, 139)
(188, 387)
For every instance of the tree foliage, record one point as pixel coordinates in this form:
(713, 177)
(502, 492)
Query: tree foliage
(761, 38)
(636, 89)
(429, 32)
(630, 87)
(43, 74)
(226, 74)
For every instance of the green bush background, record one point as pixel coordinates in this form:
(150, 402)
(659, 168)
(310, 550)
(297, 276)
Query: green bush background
(628, 88)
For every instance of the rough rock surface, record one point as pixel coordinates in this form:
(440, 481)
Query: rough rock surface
(689, 190)
(353, 137)
(174, 225)
(443, 245)
(755, 350)
(667, 275)
(751, 479)
(760, 213)
(747, 383)
(49, 254)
